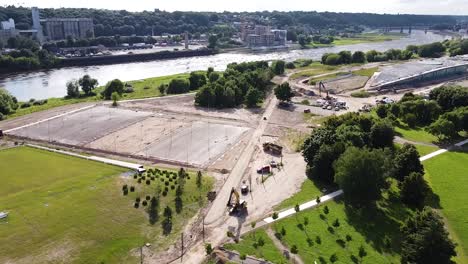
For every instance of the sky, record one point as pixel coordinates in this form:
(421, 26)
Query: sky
(448, 7)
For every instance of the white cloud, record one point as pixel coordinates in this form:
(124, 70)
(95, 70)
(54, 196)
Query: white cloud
(459, 7)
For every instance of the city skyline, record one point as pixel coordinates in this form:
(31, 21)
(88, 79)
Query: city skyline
(445, 7)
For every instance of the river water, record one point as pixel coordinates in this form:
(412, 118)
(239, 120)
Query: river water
(51, 83)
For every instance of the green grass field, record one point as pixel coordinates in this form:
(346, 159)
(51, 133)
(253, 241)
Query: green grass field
(423, 149)
(416, 134)
(142, 89)
(369, 228)
(447, 175)
(366, 38)
(315, 68)
(268, 251)
(309, 190)
(366, 72)
(69, 210)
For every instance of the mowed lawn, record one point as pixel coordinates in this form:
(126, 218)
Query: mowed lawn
(267, 252)
(319, 238)
(69, 210)
(448, 176)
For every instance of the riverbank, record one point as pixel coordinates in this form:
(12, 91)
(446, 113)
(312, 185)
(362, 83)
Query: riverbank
(144, 88)
(360, 39)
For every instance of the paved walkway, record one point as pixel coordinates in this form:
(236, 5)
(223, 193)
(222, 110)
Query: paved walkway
(124, 164)
(440, 151)
(304, 206)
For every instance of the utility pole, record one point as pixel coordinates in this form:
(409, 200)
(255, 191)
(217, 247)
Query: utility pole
(203, 228)
(141, 255)
(182, 250)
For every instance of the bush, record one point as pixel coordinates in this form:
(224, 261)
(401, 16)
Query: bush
(274, 216)
(148, 197)
(360, 94)
(178, 86)
(138, 199)
(336, 223)
(164, 193)
(113, 86)
(144, 203)
(305, 102)
(136, 205)
(148, 182)
(132, 188)
(125, 192)
(294, 249)
(124, 187)
(25, 105)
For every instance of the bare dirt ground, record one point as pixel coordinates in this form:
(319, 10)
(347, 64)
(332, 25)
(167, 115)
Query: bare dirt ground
(341, 85)
(34, 117)
(184, 104)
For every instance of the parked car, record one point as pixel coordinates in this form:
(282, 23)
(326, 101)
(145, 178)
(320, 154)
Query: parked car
(329, 107)
(244, 189)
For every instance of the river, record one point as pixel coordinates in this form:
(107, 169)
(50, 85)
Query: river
(51, 83)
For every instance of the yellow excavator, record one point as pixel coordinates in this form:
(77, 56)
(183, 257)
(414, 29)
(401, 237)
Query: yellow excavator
(235, 204)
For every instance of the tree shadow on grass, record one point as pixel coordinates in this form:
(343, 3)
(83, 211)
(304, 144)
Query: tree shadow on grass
(380, 223)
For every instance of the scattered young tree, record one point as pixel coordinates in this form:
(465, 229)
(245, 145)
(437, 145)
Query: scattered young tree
(167, 222)
(178, 86)
(208, 249)
(153, 210)
(426, 240)
(197, 80)
(115, 97)
(199, 180)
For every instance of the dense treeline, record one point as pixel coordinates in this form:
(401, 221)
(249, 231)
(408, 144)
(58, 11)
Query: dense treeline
(121, 22)
(445, 114)
(26, 56)
(244, 83)
(432, 50)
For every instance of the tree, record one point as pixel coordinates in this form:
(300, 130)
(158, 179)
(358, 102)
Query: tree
(358, 57)
(73, 89)
(87, 84)
(361, 174)
(283, 92)
(199, 180)
(345, 57)
(208, 249)
(426, 240)
(382, 134)
(205, 96)
(443, 129)
(178, 86)
(115, 97)
(162, 88)
(321, 167)
(213, 77)
(197, 80)
(178, 204)
(153, 210)
(333, 59)
(382, 111)
(252, 97)
(414, 190)
(212, 41)
(8, 103)
(297, 208)
(302, 39)
(278, 67)
(406, 161)
(113, 86)
(167, 222)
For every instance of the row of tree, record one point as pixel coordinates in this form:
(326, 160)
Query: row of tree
(433, 50)
(113, 22)
(244, 83)
(27, 56)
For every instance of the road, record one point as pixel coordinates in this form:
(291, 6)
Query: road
(218, 209)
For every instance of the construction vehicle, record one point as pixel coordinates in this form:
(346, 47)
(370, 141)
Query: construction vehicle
(235, 204)
(272, 148)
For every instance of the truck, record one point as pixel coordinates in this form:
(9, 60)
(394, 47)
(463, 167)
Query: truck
(272, 148)
(235, 204)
